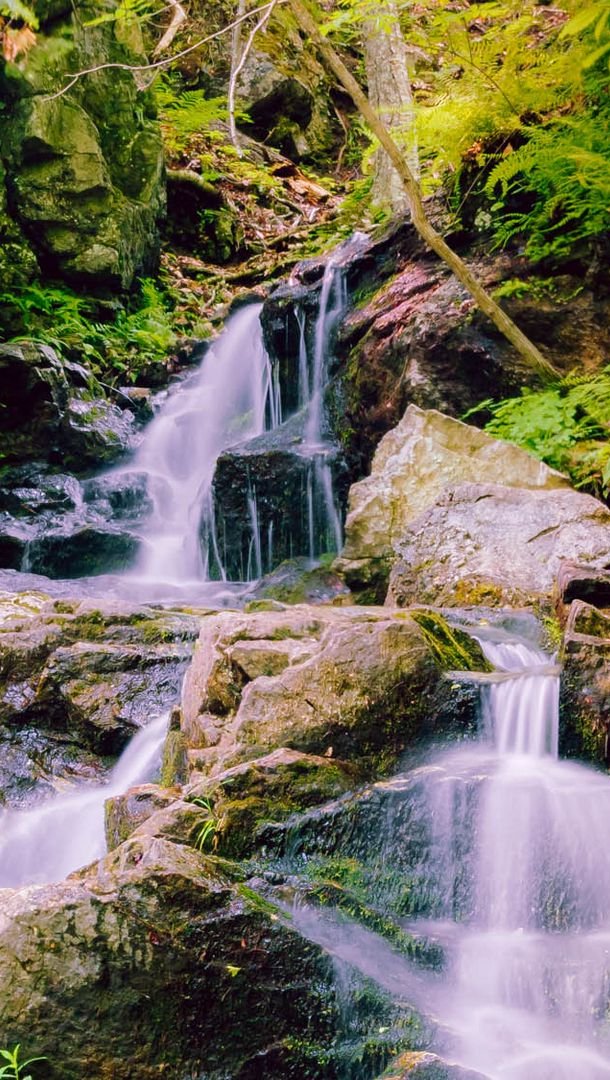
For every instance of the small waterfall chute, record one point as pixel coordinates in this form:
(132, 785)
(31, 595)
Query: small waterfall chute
(47, 842)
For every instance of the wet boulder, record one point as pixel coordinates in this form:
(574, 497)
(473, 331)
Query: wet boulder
(490, 544)
(269, 789)
(357, 684)
(585, 684)
(77, 679)
(34, 390)
(32, 489)
(94, 433)
(125, 813)
(412, 466)
(120, 496)
(47, 415)
(420, 1065)
(87, 550)
(303, 581)
(274, 499)
(169, 967)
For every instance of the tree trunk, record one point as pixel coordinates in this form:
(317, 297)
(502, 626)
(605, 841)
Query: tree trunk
(526, 348)
(387, 73)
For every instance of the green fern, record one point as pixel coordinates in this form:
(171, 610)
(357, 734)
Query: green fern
(567, 426)
(593, 20)
(60, 318)
(564, 169)
(187, 113)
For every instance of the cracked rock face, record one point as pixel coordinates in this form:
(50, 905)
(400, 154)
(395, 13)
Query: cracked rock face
(485, 543)
(413, 465)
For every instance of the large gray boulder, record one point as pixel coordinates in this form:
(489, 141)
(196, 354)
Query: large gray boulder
(414, 462)
(360, 684)
(489, 544)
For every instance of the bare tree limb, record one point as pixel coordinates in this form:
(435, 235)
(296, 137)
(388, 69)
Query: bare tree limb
(177, 19)
(526, 348)
(238, 67)
(159, 64)
(235, 57)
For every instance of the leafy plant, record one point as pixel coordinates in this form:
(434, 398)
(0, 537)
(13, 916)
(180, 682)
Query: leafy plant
(206, 836)
(69, 323)
(126, 9)
(567, 426)
(15, 9)
(13, 1070)
(563, 170)
(594, 18)
(186, 113)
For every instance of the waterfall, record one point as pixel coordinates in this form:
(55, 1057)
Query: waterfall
(333, 300)
(233, 399)
(230, 398)
(504, 861)
(65, 832)
(518, 851)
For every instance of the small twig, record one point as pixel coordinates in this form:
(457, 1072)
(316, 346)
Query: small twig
(235, 72)
(160, 63)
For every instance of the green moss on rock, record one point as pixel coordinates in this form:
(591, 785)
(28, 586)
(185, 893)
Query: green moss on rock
(453, 649)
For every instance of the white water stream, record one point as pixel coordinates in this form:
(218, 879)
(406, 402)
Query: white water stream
(224, 402)
(65, 832)
(514, 883)
(529, 961)
(232, 398)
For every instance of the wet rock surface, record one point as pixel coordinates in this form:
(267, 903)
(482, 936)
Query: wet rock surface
(77, 679)
(272, 498)
(413, 464)
(359, 684)
(167, 964)
(49, 414)
(424, 1066)
(418, 338)
(303, 581)
(585, 684)
(484, 543)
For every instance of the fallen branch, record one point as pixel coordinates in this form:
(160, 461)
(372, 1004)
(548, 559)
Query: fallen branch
(188, 176)
(526, 348)
(177, 19)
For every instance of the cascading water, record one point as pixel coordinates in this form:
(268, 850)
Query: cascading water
(507, 874)
(529, 958)
(314, 378)
(228, 399)
(49, 841)
(226, 405)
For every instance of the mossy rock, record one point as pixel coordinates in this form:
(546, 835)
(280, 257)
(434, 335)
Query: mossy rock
(269, 789)
(453, 649)
(85, 169)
